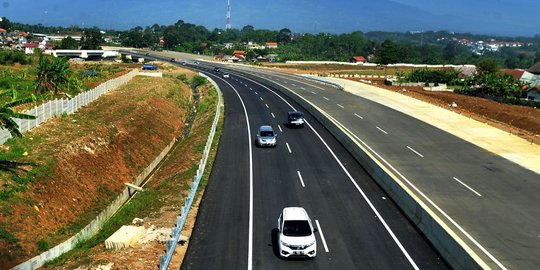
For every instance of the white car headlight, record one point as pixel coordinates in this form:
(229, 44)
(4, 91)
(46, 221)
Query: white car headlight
(285, 244)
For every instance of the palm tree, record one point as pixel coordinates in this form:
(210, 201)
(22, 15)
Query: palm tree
(7, 113)
(51, 75)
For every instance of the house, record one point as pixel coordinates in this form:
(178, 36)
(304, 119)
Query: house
(239, 56)
(535, 69)
(30, 47)
(523, 75)
(534, 94)
(218, 57)
(515, 73)
(271, 45)
(253, 45)
(358, 59)
(3, 31)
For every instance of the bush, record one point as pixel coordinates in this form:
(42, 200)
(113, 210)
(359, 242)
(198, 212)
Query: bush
(432, 76)
(11, 57)
(198, 80)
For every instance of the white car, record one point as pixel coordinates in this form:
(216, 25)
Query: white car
(226, 75)
(296, 236)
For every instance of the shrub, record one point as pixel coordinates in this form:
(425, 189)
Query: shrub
(198, 80)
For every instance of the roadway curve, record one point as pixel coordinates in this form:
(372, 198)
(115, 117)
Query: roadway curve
(488, 201)
(249, 186)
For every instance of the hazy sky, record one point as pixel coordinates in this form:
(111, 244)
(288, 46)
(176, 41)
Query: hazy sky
(498, 17)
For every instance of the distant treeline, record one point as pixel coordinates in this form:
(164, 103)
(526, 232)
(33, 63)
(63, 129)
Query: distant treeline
(387, 47)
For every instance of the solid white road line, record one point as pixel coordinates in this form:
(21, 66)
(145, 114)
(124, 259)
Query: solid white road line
(280, 128)
(301, 180)
(288, 147)
(250, 221)
(465, 185)
(273, 115)
(266, 105)
(382, 130)
(415, 151)
(341, 106)
(487, 253)
(359, 116)
(322, 236)
(381, 219)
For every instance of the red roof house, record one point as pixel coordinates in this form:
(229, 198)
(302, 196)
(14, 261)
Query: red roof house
(358, 59)
(271, 45)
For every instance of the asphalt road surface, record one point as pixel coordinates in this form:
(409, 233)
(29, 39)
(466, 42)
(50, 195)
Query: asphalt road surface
(490, 202)
(359, 226)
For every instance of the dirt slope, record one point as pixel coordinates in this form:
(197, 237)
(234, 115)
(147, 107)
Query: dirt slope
(86, 158)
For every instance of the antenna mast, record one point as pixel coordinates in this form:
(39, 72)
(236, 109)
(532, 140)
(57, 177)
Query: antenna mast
(228, 25)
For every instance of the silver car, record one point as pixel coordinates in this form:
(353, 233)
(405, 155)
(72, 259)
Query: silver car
(266, 136)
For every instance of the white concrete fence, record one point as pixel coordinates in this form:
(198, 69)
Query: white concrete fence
(57, 107)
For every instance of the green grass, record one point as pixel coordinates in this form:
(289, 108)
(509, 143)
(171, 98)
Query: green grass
(149, 201)
(8, 237)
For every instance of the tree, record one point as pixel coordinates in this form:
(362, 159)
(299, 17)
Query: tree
(91, 40)
(284, 36)
(388, 53)
(487, 66)
(51, 75)
(537, 57)
(5, 23)
(7, 113)
(69, 43)
(450, 52)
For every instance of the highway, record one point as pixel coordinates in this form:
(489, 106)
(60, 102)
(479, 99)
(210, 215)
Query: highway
(488, 201)
(359, 226)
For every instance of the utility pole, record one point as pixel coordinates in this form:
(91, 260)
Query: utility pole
(228, 25)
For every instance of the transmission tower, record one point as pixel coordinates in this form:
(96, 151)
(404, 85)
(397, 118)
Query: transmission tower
(228, 25)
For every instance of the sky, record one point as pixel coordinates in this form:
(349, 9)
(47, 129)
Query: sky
(492, 17)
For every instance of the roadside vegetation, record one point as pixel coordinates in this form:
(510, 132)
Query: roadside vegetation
(36, 179)
(166, 189)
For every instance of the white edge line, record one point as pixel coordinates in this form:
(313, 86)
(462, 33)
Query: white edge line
(416, 152)
(322, 236)
(288, 147)
(479, 195)
(382, 130)
(381, 219)
(487, 253)
(250, 222)
(301, 180)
